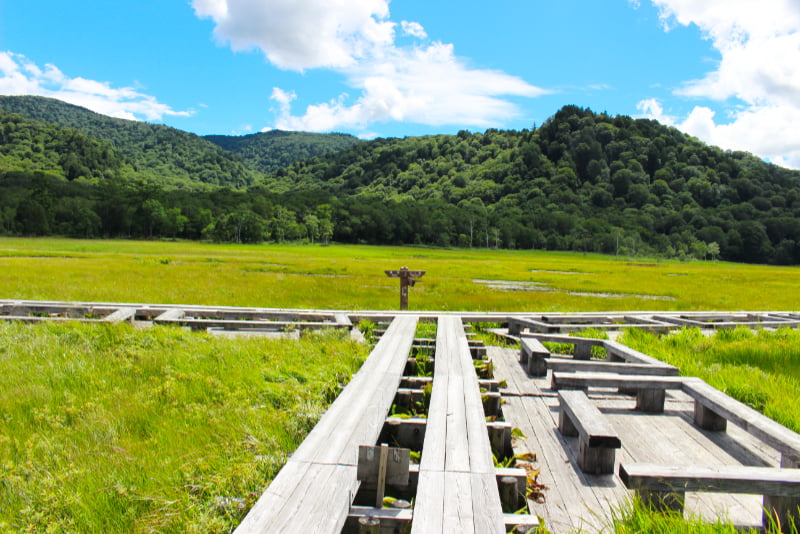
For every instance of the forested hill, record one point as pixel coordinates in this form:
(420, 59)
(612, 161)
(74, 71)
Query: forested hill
(156, 153)
(270, 151)
(582, 181)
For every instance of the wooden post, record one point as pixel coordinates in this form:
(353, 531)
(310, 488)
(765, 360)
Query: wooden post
(382, 475)
(406, 278)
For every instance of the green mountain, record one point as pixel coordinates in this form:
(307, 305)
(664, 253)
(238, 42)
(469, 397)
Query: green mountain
(27, 145)
(270, 151)
(156, 153)
(583, 181)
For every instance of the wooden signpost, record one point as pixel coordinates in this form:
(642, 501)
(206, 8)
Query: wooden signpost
(406, 278)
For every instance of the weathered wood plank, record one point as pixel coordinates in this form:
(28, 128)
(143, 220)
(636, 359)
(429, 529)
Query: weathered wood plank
(562, 365)
(456, 452)
(723, 479)
(754, 422)
(122, 314)
(313, 492)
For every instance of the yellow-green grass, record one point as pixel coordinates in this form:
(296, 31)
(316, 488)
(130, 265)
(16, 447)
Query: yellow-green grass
(352, 278)
(105, 428)
(761, 369)
(635, 518)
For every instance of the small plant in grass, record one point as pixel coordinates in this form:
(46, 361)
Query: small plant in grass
(367, 328)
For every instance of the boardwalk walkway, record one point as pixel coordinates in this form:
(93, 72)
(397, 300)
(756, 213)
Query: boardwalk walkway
(575, 500)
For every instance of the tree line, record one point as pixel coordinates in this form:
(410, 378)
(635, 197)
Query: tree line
(582, 181)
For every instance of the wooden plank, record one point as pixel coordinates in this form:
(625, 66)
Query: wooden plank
(122, 314)
(313, 492)
(456, 453)
(169, 315)
(628, 354)
(723, 479)
(602, 366)
(754, 422)
(612, 380)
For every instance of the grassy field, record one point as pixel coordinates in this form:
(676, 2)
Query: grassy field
(109, 429)
(352, 278)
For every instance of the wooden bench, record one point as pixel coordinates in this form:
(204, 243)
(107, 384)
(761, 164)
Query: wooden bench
(582, 345)
(713, 409)
(314, 490)
(597, 440)
(664, 487)
(563, 365)
(534, 355)
(457, 489)
(650, 390)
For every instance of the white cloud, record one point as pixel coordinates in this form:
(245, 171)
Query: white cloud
(20, 76)
(422, 85)
(301, 34)
(414, 29)
(426, 84)
(757, 78)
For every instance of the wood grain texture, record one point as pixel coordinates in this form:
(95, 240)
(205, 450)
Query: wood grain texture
(314, 490)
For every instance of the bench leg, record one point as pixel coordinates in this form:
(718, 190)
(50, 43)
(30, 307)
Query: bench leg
(565, 424)
(781, 511)
(612, 357)
(650, 400)
(662, 501)
(708, 419)
(595, 460)
(523, 356)
(582, 352)
(537, 366)
(790, 460)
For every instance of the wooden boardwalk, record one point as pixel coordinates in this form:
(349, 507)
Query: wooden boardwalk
(575, 500)
(456, 487)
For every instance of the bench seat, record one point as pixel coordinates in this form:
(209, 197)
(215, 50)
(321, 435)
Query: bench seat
(650, 390)
(533, 354)
(664, 487)
(597, 439)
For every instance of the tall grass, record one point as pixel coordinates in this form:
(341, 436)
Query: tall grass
(761, 369)
(104, 428)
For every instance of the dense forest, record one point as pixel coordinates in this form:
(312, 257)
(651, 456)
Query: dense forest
(273, 150)
(581, 181)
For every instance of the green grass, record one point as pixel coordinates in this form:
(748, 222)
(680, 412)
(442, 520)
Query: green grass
(352, 277)
(635, 518)
(104, 428)
(761, 369)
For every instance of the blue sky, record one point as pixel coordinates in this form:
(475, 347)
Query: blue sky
(727, 71)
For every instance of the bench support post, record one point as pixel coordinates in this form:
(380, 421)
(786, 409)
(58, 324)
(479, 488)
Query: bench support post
(565, 424)
(509, 494)
(662, 501)
(537, 366)
(708, 419)
(650, 400)
(595, 460)
(781, 511)
(583, 351)
(791, 461)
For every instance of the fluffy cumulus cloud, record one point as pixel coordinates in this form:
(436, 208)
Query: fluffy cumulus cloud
(424, 83)
(757, 79)
(20, 76)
